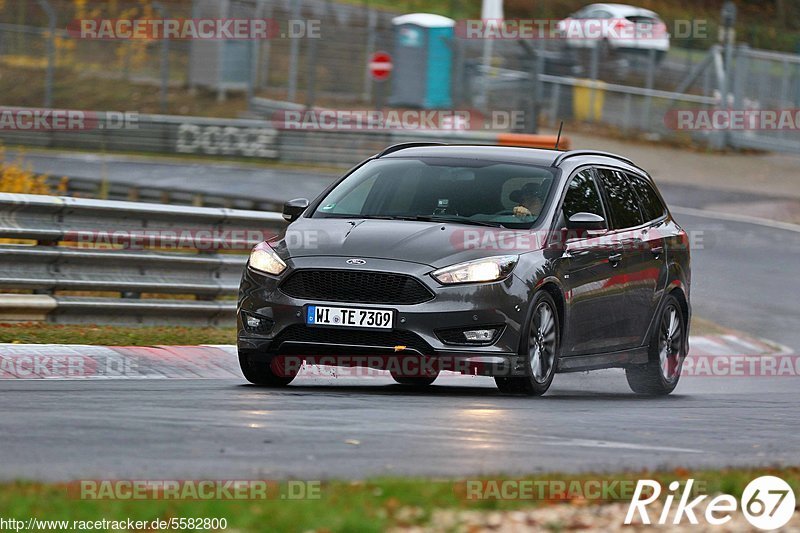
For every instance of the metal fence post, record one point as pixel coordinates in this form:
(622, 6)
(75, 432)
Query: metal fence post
(164, 60)
(51, 51)
(266, 48)
(311, 64)
(718, 139)
(255, 49)
(294, 52)
(554, 104)
(649, 83)
(729, 37)
(740, 74)
(594, 60)
(224, 9)
(372, 23)
(626, 113)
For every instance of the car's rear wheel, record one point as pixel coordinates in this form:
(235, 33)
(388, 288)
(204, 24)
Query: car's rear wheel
(541, 346)
(661, 374)
(415, 381)
(265, 373)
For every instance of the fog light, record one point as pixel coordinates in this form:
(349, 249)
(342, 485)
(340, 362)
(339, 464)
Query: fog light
(257, 324)
(471, 335)
(479, 335)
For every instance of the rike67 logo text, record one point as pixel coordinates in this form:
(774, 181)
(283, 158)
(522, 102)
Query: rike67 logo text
(767, 502)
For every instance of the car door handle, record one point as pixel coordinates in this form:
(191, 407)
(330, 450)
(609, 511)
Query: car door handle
(614, 259)
(658, 250)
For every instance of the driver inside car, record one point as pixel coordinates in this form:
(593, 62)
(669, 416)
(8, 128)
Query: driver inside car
(528, 199)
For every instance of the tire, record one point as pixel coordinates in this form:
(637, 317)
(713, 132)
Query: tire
(541, 345)
(661, 374)
(415, 381)
(263, 373)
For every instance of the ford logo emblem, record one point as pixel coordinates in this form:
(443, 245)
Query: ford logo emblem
(356, 262)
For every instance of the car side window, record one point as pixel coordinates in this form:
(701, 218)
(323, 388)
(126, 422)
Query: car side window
(582, 196)
(649, 202)
(622, 200)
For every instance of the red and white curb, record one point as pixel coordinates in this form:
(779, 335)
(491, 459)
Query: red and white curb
(710, 355)
(43, 361)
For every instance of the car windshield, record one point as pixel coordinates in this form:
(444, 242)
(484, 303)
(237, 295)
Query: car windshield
(456, 190)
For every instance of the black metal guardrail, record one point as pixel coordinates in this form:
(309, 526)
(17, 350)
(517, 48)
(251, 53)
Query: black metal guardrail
(71, 260)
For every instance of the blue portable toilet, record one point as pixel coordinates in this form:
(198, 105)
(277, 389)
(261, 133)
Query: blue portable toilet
(423, 61)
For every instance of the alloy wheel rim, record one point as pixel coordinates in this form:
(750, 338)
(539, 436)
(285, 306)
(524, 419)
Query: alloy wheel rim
(670, 342)
(542, 342)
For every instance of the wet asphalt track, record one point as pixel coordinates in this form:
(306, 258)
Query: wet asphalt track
(322, 428)
(746, 277)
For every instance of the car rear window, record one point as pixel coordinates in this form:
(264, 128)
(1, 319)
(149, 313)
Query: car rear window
(622, 200)
(649, 202)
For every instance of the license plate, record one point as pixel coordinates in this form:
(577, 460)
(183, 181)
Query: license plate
(349, 317)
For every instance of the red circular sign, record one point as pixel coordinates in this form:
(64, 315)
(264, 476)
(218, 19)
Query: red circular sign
(380, 66)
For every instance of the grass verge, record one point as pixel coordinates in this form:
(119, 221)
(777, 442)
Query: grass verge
(371, 505)
(37, 333)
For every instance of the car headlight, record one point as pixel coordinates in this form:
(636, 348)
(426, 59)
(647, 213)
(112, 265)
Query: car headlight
(264, 259)
(489, 269)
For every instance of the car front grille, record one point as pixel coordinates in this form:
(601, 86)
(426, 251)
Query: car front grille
(356, 287)
(320, 341)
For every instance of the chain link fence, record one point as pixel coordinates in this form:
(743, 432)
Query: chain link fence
(550, 82)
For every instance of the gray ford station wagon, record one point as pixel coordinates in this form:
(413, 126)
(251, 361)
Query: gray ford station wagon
(516, 263)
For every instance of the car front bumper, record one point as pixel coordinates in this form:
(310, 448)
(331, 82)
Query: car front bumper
(502, 304)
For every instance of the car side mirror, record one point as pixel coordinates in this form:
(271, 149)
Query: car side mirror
(294, 208)
(582, 222)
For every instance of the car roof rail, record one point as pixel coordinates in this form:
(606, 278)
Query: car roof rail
(575, 153)
(402, 146)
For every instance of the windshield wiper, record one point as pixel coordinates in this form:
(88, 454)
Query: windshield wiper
(456, 220)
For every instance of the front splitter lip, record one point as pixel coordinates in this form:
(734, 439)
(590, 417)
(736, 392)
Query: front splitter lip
(407, 362)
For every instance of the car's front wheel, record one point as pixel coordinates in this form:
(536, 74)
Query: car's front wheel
(541, 348)
(265, 373)
(661, 374)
